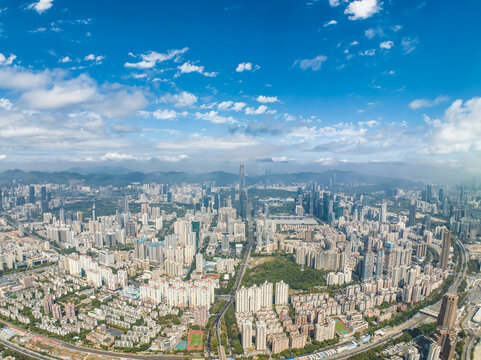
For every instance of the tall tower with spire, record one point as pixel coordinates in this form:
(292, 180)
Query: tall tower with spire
(94, 212)
(242, 192)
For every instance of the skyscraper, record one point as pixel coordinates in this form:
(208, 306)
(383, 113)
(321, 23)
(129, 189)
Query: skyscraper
(261, 333)
(412, 215)
(94, 212)
(446, 240)
(447, 314)
(383, 214)
(246, 334)
(242, 193)
(445, 333)
(31, 195)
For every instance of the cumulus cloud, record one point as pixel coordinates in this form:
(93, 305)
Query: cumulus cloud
(62, 94)
(188, 67)
(97, 58)
(386, 45)
(6, 104)
(65, 59)
(334, 3)
(214, 117)
(362, 9)
(369, 52)
(247, 66)
(313, 64)
(152, 58)
(459, 131)
(253, 111)
(41, 5)
(231, 105)
(7, 61)
(267, 99)
(165, 114)
(182, 99)
(424, 103)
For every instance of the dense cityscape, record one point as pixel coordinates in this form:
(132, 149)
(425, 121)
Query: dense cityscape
(248, 270)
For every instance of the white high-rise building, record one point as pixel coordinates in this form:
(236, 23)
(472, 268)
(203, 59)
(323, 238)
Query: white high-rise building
(282, 293)
(254, 298)
(246, 335)
(261, 335)
(199, 263)
(434, 351)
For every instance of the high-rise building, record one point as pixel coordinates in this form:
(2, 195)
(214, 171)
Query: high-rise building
(412, 215)
(246, 335)
(94, 212)
(282, 293)
(447, 314)
(261, 334)
(31, 195)
(242, 193)
(199, 262)
(383, 214)
(446, 241)
(434, 351)
(445, 333)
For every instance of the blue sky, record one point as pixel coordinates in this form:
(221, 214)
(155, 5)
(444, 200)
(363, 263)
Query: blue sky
(202, 85)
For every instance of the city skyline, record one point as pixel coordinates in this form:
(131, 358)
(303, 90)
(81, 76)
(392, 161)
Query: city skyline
(377, 87)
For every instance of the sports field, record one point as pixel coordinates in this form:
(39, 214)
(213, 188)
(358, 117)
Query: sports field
(341, 328)
(195, 340)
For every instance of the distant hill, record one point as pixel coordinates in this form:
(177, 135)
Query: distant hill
(347, 178)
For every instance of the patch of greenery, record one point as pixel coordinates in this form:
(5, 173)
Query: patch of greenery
(281, 268)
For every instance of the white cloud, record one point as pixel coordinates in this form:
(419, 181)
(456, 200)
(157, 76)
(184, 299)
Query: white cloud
(369, 52)
(7, 61)
(182, 99)
(409, 44)
(41, 5)
(231, 105)
(396, 28)
(313, 64)
(6, 104)
(424, 103)
(152, 58)
(252, 111)
(172, 158)
(197, 142)
(215, 118)
(65, 59)
(247, 66)
(362, 9)
(97, 58)
(325, 161)
(459, 131)
(165, 114)
(334, 3)
(386, 45)
(3, 157)
(267, 99)
(115, 156)
(329, 23)
(63, 94)
(188, 67)
(372, 32)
